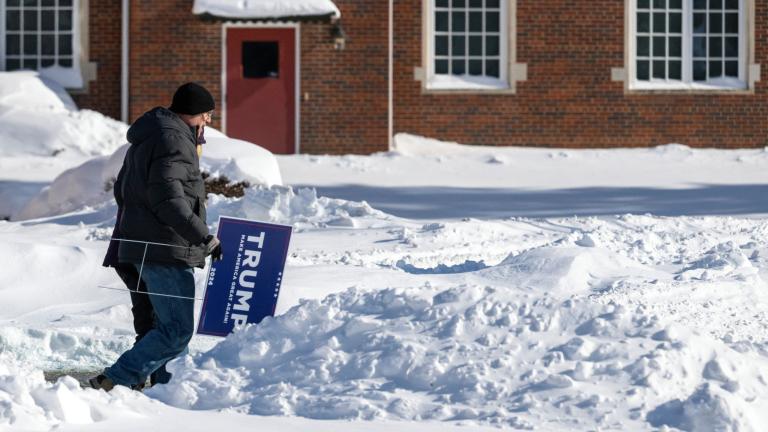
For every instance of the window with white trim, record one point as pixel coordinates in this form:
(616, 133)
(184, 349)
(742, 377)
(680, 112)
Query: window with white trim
(689, 44)
(42, 35)
(467, 44)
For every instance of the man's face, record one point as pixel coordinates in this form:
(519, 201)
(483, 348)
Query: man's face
(198, 121)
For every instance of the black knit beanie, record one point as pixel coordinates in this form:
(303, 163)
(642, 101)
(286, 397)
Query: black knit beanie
(192, 99)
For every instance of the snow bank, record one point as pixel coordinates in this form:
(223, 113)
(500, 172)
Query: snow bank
(28, 90)
(251, 9)
(302, 208)
(90, 184)
(37, 117)
(474, 353)
(27, 402)
(239, 160)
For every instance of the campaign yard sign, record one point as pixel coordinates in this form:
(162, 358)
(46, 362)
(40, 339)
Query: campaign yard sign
(244, 285)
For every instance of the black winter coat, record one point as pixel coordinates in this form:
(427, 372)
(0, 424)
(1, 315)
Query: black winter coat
(161, 193)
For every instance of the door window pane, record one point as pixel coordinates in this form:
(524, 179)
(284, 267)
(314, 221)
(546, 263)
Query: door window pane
(260, 59)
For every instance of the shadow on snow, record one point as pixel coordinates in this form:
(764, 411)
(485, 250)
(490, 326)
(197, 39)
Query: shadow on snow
(450, 202)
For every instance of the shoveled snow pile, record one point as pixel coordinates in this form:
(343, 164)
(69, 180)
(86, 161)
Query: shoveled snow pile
(265, 8)
(90, 184)
(301, 208)
(473, 352)
(239, 160)
(37, 117)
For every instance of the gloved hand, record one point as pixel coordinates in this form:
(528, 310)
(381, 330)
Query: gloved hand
(213, 248)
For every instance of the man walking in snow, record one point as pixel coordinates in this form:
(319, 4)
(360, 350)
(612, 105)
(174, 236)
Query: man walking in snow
(162, 198)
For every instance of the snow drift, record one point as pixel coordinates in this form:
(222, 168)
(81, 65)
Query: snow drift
(90, 184)
(37, 117)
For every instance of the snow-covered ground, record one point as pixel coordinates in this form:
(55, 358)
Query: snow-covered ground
(432, 288)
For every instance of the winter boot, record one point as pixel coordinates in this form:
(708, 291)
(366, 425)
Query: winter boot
(101, 382)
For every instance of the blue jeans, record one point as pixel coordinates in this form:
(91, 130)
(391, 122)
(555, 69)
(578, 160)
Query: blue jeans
(174, 325)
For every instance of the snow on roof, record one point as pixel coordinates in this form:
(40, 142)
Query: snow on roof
(261, 9)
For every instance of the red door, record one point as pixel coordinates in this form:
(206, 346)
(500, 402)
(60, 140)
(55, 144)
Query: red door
(260, 99)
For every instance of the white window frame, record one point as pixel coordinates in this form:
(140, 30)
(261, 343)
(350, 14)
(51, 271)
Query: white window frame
(68, 77)
(476, 83)
(687, 82)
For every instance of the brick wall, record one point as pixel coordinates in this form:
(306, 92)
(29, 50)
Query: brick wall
(170, 46)
(569, 99)
(347, 107)
(103, 94)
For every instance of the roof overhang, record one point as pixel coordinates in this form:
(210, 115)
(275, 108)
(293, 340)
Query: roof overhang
(267, 10)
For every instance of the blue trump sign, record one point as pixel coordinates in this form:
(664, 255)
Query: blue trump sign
(244, 285)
